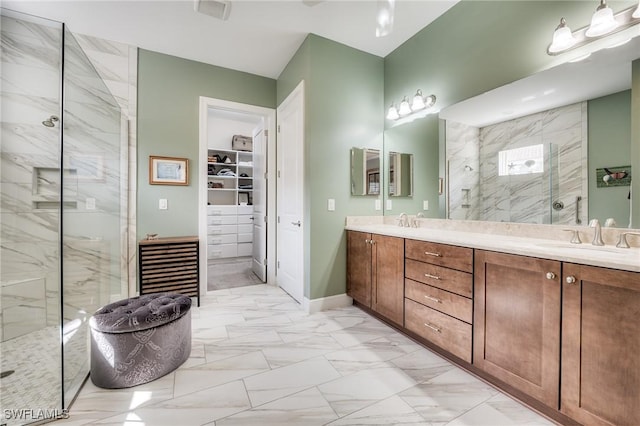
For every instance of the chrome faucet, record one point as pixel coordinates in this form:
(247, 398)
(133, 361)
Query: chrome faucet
(622, 239)
(597, 236)
(403, 220)
(414, 220)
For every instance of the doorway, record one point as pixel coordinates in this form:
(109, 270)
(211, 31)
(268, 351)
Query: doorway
(235, 211)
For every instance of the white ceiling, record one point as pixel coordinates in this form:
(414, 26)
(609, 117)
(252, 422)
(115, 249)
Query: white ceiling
(260, 37)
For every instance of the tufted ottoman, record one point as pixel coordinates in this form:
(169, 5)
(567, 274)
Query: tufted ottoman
(137, 340)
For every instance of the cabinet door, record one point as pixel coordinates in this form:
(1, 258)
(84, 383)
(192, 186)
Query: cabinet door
(601, 345)
(388, 277)
(517, 322)
(359, 267)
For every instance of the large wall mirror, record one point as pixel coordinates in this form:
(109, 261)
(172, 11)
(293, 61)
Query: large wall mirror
(553, 148)
(365, 171)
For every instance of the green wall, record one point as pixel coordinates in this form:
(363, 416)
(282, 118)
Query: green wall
(609, 136)
(635, 142)
(168, 100)
(343, 109)
(474, 47)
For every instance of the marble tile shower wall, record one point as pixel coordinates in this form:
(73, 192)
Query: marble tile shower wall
(521, 198)
(28, 160)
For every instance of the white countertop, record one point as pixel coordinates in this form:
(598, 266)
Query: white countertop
(608, 256)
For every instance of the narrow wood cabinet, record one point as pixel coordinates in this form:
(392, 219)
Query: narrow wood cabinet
(600, 345)
(169, 265)
(517, 322)
(375, 273)
(359, 249)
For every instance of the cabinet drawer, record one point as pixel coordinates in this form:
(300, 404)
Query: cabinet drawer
(440, 300)
(245, 210)
(449, 333)
(460, 258)
(222, 239)
(245, 219)
(245, 229)
(446, 279)
(245, 238)
(222, 220)
(222, 229)
(222, 250)
(245, 249)
(221, 210)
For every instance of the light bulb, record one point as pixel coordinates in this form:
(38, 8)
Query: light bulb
(562, 38)
(392, 114)
(602, 21)
(430, 101)
(418, 101)
(405, 109)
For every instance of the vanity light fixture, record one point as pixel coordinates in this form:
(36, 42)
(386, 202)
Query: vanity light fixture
(418, 103)
(603, 24)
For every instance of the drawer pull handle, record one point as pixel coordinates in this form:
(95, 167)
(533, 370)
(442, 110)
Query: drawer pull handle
(435, 277)
(433, 327)
(430, 253)
(435, 299)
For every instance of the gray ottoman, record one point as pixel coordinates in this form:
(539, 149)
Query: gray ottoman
(137, 340)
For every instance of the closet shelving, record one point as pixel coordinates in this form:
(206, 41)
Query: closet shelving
(229, 177)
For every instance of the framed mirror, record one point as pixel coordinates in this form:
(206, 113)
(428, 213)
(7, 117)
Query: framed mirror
(400, 174)
(365, 171)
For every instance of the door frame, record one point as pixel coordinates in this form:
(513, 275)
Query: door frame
(269, 116)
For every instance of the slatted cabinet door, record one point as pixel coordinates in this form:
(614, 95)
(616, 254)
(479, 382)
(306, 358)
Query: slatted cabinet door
(169, 265)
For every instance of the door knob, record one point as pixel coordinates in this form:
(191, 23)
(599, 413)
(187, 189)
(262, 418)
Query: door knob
(570, 279)
(296, 223)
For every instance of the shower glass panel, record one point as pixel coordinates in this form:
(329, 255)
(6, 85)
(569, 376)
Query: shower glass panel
(62, 214)
(30, 297)
(91, 217)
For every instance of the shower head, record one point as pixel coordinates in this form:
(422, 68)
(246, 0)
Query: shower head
(51, 121)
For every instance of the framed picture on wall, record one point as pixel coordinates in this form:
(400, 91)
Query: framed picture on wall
(168, 170)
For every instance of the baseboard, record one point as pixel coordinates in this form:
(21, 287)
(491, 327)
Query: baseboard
(325, 303)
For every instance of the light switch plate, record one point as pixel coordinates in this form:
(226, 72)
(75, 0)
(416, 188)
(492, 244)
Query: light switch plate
(162, 204)
(378, 205)
(90, 203)
(389, 205)
(425, 205)
(331, 204)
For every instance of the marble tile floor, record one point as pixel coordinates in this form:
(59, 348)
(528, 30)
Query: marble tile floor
(230, 273)
(258, 359)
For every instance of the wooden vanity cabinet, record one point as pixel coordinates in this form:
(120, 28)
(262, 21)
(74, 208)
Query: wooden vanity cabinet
(375, 273)
(600, 345)
(517, 322)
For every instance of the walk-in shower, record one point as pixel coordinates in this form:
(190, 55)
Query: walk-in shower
(61, 223)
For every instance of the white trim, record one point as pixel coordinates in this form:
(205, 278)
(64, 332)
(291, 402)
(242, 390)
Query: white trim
(269, 116)
(325, 303)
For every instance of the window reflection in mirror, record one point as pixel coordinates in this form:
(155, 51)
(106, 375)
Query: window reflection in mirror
(365, 171)
(400, 174)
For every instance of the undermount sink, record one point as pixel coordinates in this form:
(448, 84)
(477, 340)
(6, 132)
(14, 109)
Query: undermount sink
(583, 246)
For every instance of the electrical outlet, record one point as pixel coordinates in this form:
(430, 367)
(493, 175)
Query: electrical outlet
(90, 203)
(162, 204)
(425, 205)
(331, 204)
(378, 205)
(389, 205)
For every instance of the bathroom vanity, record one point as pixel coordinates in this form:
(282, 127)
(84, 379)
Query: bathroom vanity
(552, 323)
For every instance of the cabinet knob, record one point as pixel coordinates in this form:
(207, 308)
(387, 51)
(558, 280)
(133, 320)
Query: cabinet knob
(551, 276)
(570, 279)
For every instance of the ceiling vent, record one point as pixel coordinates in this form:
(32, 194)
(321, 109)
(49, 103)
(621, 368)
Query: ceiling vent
(216, 8)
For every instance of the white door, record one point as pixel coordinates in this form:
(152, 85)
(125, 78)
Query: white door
(260, 202)
(290, 228)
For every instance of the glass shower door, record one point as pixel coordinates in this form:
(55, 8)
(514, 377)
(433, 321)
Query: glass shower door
(92, 223)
